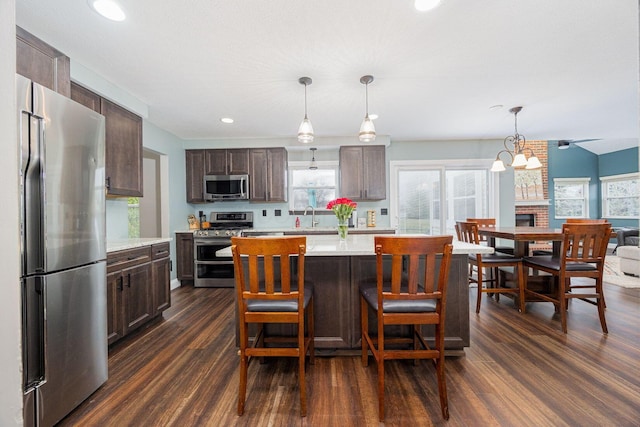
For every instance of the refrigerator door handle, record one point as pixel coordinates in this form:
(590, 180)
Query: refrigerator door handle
(34, 199)
(34, 325)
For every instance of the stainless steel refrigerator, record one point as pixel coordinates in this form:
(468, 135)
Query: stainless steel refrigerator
(63, 248)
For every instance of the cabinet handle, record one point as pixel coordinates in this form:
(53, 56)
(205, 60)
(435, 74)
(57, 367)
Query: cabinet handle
(107, 183)
(128, 280)
(120, 283)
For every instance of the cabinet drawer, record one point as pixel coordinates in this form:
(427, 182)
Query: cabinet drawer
(128, 258)
(160, 250)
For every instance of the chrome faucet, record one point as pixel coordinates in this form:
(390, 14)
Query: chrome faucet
(313, 215)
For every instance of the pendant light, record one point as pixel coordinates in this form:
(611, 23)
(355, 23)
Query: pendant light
(313, 166)
(518, 158)
(367, 129)
(305, 131)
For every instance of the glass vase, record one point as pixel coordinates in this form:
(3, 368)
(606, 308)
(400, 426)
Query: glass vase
(343, 229)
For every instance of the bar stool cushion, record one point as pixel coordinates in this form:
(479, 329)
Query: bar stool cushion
(370, 294)
(284, 305)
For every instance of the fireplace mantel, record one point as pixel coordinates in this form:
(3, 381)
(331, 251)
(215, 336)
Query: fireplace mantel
(539, 202)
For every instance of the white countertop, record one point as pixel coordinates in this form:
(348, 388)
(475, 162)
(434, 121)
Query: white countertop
(361, 244)
(122, 244)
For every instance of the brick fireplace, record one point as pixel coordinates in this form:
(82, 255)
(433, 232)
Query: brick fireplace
(536, 208)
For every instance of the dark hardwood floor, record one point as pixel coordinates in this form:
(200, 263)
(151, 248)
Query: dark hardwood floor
(520, 370)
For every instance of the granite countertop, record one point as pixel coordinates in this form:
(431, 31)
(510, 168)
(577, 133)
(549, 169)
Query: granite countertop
(361, 244)
(122, 244)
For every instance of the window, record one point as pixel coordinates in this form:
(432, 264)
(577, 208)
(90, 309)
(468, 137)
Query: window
(621, 196)
(571, 197)
(429, 197)
(312, 187)
(133, 208)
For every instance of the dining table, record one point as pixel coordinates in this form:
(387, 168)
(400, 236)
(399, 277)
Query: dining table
(523, 236)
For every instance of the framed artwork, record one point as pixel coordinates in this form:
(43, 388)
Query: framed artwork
(528, 184)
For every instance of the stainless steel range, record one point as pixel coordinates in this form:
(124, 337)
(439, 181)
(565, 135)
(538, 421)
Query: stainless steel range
(210, 270)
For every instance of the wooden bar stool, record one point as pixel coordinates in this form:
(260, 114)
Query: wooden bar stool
(415, 295)
(264, 296)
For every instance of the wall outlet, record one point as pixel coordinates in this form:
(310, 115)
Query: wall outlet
(264, 212)
(278, 212)
(383, 211)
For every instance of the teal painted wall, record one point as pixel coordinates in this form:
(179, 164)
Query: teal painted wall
(618, 162)
(576, 162)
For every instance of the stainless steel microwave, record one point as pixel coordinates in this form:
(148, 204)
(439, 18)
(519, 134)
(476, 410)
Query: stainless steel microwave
(226, 187)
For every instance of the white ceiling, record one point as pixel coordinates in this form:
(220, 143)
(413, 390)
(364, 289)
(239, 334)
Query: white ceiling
(572, 64)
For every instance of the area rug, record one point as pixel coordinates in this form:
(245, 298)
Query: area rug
(614, 276)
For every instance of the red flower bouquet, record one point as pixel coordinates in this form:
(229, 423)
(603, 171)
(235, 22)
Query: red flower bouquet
(343, 208)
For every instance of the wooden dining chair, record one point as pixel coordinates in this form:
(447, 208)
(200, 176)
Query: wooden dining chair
(490, 223)
(585, 221)
(409, 290)
(273, 290)
(468, 232)
(582, 253)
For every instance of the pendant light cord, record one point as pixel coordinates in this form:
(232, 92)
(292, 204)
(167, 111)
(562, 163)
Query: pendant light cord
(305, 100)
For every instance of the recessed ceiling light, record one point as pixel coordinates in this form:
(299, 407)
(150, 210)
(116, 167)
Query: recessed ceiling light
(425, 5)
(227, 120)
(373, 116)
(108, 8)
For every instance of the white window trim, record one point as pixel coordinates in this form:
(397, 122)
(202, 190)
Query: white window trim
(580, 180)
(300, 165)
(396, 166)
(603, 200)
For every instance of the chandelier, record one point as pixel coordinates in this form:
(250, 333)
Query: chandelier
(517, 154)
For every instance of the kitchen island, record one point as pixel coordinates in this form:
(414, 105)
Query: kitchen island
(337, 267)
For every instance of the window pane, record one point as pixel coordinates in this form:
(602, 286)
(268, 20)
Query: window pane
(312, 187)
(133, 207)
(625, 188)
(318, 198)
(467, 196)
(569, 208)
(313, 178)
(569, 191)
(626, 207)
(417, 201)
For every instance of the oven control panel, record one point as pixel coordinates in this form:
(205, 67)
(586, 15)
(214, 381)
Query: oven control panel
(216, 233)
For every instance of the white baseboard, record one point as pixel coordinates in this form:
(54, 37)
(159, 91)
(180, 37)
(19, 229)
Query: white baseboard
(175, 283)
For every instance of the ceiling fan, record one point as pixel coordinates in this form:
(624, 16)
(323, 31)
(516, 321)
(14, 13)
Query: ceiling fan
(563, 144)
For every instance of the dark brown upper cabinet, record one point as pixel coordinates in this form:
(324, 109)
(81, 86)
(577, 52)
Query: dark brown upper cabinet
(362, 172)
(195, 176)
(123, 143)
(227, 161)
(42, 63)
(268, 174)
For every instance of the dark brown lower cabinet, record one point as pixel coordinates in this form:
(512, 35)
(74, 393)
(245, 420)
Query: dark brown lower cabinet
(138, 288)
(337, 302)
(184, 256)
(161, 277)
